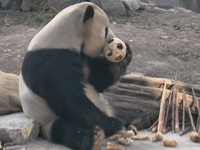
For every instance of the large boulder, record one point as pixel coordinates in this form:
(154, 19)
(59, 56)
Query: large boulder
(11, 4)
(132, 5)
(59, 5)
(18, 128)
(113, 7)
(34, 5)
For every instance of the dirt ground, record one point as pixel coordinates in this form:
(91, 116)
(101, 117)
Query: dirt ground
(164, 42)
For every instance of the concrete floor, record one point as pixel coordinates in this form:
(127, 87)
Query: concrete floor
(184, 143)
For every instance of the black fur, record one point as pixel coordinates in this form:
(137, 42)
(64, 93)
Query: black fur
(56, 75)
(104, 73)
(89, 13)
(100, 76)
(66, 133)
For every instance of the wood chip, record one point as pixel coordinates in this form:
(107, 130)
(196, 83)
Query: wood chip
(111, 146)
(194, 136)
(157, 137)
(125, 141)
(170, 143)
(141, 137)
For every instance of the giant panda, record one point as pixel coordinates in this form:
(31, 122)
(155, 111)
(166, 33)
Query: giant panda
(63, 76)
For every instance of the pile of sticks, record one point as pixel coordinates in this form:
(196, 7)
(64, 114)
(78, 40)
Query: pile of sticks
(173, 113)
(136, 94)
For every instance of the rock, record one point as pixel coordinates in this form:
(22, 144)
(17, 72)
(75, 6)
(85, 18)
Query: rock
(75, 1)
(18, 128)
(132, 5)
(164, 37)
(34, 5)
(59, 5)
(11, 4)
(97, 2)
(113, 7)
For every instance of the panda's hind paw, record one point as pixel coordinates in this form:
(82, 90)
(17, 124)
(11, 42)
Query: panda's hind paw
(97, 135)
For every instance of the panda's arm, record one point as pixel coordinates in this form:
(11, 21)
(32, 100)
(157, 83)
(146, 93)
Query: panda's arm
(104, 73)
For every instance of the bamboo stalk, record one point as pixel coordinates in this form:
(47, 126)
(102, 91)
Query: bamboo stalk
(153, 125)
(167, 130)
(162, 110)
(198, 125)
(198, 109)
(154, 129)
(185, 131)
(159, 136)
(183, 116)
(189, 112)
(173, 107)
(176, 115)
(167, 111)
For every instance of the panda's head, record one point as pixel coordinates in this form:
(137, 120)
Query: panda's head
(82, 27)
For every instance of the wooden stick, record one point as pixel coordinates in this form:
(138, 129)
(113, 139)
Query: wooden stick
(198, 109)
(183, 116)
(185, 131)
(173, 107)
(167, 111)
(153, 125)
(154, 129)
(198, 125)
(162, 110)
(189, 112)
(167, 130)
(176, 114)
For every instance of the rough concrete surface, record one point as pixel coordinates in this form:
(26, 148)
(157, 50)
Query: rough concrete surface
(184, 143)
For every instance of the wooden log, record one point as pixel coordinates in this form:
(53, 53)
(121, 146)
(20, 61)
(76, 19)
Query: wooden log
(132, 96)
(157, 82)
(142, 95)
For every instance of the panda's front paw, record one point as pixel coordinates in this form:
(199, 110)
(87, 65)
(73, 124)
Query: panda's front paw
(130, 126)
(113, 126)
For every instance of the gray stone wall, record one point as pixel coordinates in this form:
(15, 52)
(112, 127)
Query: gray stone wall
(188, 4)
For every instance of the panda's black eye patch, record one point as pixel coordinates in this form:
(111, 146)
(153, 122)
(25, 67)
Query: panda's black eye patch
(109, 53)
(119, 46)
(106, 32)
(111, 40)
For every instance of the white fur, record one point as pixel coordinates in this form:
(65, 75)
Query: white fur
(35, 107)
(98, 100)
(67, 30)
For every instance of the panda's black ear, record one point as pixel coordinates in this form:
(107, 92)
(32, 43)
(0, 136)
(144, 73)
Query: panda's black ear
(89, 13)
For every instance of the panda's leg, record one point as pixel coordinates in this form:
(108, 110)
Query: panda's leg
(73, 136)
